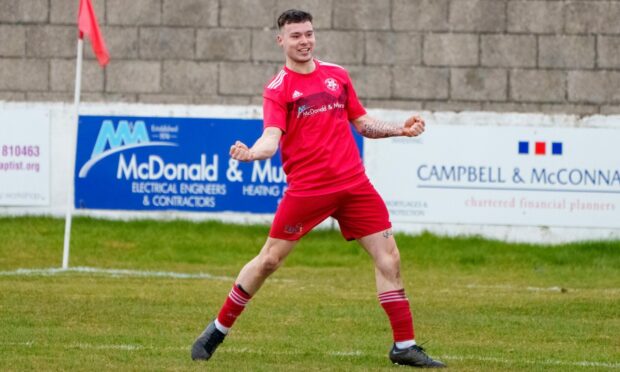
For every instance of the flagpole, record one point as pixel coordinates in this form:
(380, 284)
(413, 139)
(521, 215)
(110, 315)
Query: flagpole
(72, 150)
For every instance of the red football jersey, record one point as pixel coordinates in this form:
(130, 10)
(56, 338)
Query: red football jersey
(319, 155)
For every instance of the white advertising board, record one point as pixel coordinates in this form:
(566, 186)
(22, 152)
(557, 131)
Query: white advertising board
(500, 175)
(24, 157)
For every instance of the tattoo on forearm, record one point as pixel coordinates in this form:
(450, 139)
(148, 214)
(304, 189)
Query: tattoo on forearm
(372, 128)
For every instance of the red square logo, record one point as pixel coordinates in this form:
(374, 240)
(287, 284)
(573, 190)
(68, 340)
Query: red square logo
(539, 148)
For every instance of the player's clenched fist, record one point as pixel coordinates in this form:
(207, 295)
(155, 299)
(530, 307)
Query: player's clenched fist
(414, 126)
(240, 151)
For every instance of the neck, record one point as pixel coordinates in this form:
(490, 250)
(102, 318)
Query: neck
(301, 67)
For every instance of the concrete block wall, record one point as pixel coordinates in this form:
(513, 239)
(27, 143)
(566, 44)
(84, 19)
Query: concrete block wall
(550, 56)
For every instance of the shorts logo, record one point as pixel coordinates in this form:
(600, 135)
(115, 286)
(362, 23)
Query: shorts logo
(290, 229)
(331, 84)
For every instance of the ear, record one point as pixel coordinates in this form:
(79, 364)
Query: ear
(279, 39)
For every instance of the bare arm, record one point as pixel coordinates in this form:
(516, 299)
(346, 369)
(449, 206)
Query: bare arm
(372, 128)
(264, 147)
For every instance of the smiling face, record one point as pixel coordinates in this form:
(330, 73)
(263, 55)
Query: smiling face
(297, 41)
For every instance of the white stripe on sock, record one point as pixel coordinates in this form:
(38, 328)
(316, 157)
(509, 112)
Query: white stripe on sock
(237, 298)
(396, 300)
(402, 297)
(220, 327)
(404, 344)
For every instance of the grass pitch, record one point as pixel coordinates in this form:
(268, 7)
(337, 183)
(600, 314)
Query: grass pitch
(478, 304)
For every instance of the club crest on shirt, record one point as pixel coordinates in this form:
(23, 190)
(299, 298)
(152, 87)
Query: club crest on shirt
(331, 84)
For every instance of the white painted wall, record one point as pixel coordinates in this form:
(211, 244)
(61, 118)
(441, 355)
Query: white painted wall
(63, 131)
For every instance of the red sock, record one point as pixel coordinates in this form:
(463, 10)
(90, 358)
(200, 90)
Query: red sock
(396, 306)
(233, 306)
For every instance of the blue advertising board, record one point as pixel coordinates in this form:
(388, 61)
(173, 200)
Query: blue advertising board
(156, 163)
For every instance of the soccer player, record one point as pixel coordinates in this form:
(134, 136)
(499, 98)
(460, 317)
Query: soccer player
(307, 108)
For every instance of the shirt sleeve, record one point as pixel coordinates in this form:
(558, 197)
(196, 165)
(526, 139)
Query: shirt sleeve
(274, 113)
(355, 109)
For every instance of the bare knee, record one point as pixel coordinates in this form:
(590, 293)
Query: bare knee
(388, 263)
(268, 263)
(269, 259)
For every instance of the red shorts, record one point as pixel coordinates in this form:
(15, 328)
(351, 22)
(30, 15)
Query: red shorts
(359, 210)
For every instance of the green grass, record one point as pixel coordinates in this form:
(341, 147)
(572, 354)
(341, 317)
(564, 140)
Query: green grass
(479, 304)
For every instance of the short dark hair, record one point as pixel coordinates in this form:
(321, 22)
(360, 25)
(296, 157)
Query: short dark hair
(293, 16)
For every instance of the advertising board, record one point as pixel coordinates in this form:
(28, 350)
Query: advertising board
(500, 175)
(24, 157)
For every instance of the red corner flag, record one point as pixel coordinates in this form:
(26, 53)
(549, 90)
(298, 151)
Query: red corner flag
(87, 25)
